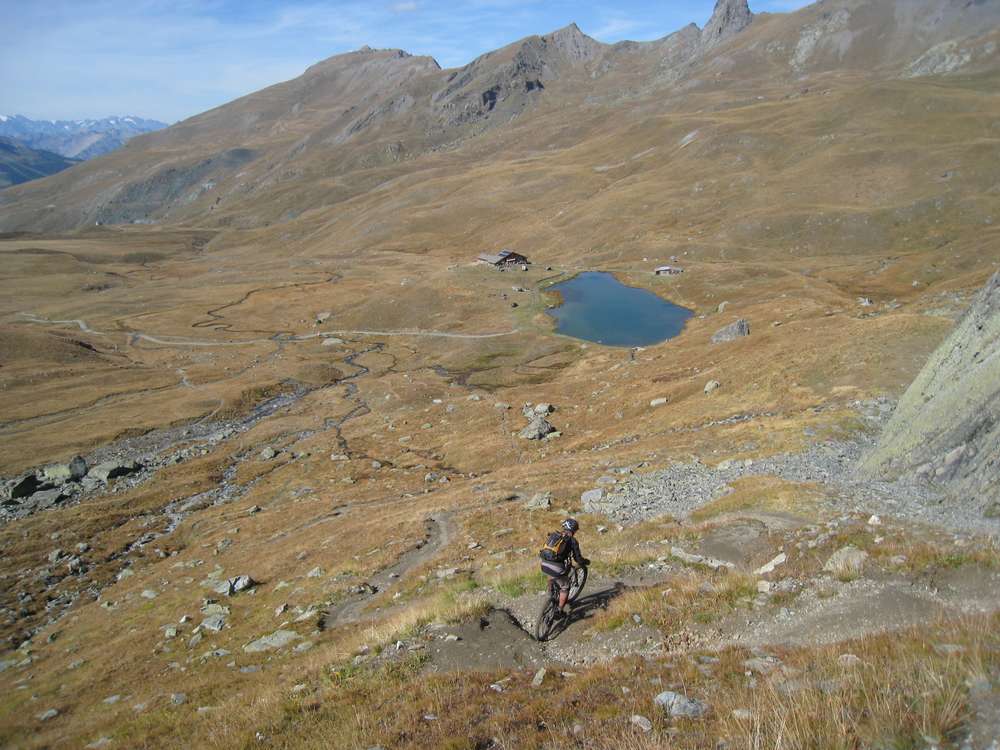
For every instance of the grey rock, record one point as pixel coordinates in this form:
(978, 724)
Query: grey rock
(539, 501)
(694, 559)
(277, 639)
(268, 453)
(642, 723)
(544, 409)
(178, 699)
(74, 471)
(539, 678)
(46, 498)
(113, 469)
(591, 500)
(712, 385)
(677, 705)
(731, 332)
(946, 426)
(538, 428)
(232, 586)
(214, 623)
(846, 561)
(99, 743)
(771, 565)
(49, 714)
(55, 556)
(148, 594)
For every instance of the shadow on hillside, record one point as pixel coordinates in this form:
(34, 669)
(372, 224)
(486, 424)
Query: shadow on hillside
(586, 606)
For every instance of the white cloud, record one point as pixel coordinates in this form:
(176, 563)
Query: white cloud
(404, 7)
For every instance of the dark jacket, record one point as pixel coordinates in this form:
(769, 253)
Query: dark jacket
(574, 550)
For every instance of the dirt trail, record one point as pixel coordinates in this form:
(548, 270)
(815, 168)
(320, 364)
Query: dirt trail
(133, 337)
(440, 530)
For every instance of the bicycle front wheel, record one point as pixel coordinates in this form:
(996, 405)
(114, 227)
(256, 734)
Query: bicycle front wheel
(546, 620)
(577, 583)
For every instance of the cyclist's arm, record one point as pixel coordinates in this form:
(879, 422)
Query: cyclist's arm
(577, 556)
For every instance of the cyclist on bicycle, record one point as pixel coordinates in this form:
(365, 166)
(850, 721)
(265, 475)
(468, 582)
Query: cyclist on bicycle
(559, 549)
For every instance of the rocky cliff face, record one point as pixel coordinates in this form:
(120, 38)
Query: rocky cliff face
(729, 17)
(947, 425)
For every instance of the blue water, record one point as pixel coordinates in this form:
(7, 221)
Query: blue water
(597, 307)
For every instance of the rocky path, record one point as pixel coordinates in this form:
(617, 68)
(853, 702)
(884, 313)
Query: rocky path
(439, 532)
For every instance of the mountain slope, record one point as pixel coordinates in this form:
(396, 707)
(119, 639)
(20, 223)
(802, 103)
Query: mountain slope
(361, 119)
(18, 163)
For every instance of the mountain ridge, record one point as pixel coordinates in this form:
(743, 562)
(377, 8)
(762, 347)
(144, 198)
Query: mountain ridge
(376, 109)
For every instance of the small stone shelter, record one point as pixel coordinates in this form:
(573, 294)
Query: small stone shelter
(669, 270)
(503, 259)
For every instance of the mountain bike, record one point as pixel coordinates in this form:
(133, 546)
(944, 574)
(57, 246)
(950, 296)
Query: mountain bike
(550, 623)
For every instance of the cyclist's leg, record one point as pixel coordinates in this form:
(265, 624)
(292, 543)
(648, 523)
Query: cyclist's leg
(564, 583)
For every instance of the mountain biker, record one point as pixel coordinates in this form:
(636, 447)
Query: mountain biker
(556, 554)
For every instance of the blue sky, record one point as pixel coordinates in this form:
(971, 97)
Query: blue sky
(170, 59)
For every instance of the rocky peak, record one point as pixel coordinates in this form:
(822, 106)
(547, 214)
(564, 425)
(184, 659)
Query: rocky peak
(729, 17)
(573, 44)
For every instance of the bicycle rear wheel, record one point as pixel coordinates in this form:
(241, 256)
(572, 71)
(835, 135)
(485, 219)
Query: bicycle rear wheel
(577, 583)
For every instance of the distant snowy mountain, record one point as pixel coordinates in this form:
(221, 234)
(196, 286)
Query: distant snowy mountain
(77, 139)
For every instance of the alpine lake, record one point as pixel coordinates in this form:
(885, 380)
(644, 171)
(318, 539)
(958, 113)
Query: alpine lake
(597, 307)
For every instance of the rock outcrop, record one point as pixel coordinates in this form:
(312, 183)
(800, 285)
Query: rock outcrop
(729, 17)
(731, 332)
(946, 427)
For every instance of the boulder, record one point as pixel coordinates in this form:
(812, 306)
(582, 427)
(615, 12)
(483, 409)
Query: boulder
(232, 586)
(712, 385)
(74, 471)
(591, 500)
(538, 428)
(539, 501)
(769, 567)
(731, 332)
(108, 470)
(679, 706)
(658, 401)
(277, 639)
(45, 499)
(846, 561)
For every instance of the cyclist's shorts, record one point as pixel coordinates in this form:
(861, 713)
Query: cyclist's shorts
(558, 572)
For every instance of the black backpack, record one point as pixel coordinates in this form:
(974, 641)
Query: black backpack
(556, 549)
